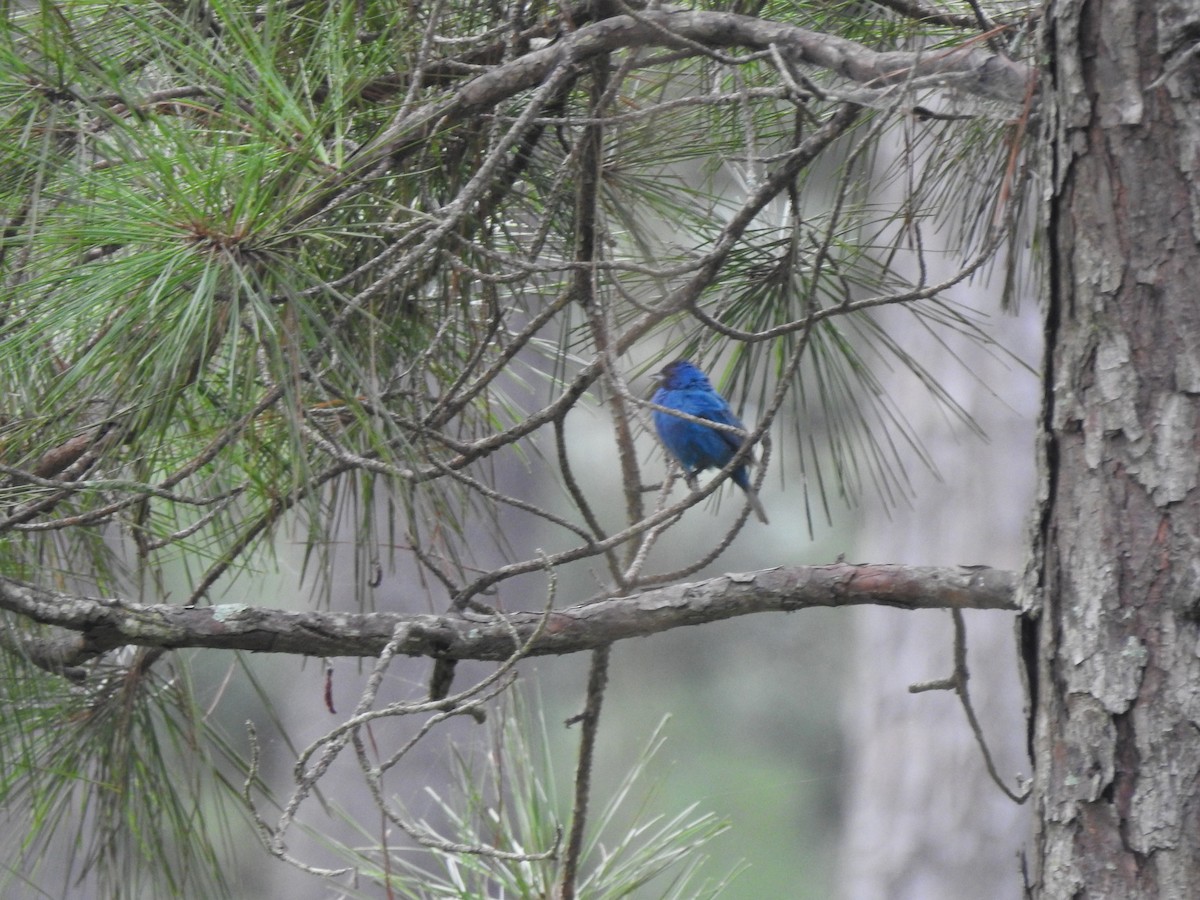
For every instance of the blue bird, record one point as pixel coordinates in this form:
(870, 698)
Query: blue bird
(683, 387)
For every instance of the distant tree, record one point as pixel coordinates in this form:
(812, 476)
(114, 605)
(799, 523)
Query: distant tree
(306, 267)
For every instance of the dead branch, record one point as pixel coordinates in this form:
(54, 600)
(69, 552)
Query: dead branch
(97, 625)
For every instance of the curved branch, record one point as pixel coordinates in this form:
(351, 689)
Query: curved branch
(969, 69)
(915, 10)
(105, 624)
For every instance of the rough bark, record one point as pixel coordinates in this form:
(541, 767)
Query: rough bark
(1115, 582)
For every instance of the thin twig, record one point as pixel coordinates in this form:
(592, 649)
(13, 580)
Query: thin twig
(957, 682)
(590, 719)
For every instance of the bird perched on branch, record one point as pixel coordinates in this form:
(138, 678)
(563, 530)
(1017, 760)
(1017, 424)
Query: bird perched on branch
(683, 387)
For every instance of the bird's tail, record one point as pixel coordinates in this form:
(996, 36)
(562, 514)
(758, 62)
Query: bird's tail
(756, 505)
(742, 479)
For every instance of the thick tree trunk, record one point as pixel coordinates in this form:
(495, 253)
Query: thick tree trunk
(1116, 570)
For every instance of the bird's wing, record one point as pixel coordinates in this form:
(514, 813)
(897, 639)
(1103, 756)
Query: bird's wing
(712, 406)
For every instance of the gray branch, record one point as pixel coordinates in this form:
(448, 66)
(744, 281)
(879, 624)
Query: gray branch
(969, 70)
(97, 625)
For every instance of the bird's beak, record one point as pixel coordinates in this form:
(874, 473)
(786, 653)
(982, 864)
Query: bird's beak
(656, 381)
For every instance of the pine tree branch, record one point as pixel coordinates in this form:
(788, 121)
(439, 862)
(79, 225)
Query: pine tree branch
(100, 625)
(970, 70)
(918, 12)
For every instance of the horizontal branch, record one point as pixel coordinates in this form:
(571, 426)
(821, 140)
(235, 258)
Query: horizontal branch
(99, 625)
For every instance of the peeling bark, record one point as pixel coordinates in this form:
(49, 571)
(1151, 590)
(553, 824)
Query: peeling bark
(1115, 579)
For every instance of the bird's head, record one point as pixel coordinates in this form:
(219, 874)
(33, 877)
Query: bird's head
(681, 375)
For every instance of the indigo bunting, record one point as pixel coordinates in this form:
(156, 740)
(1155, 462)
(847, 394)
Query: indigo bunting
(683, 387)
